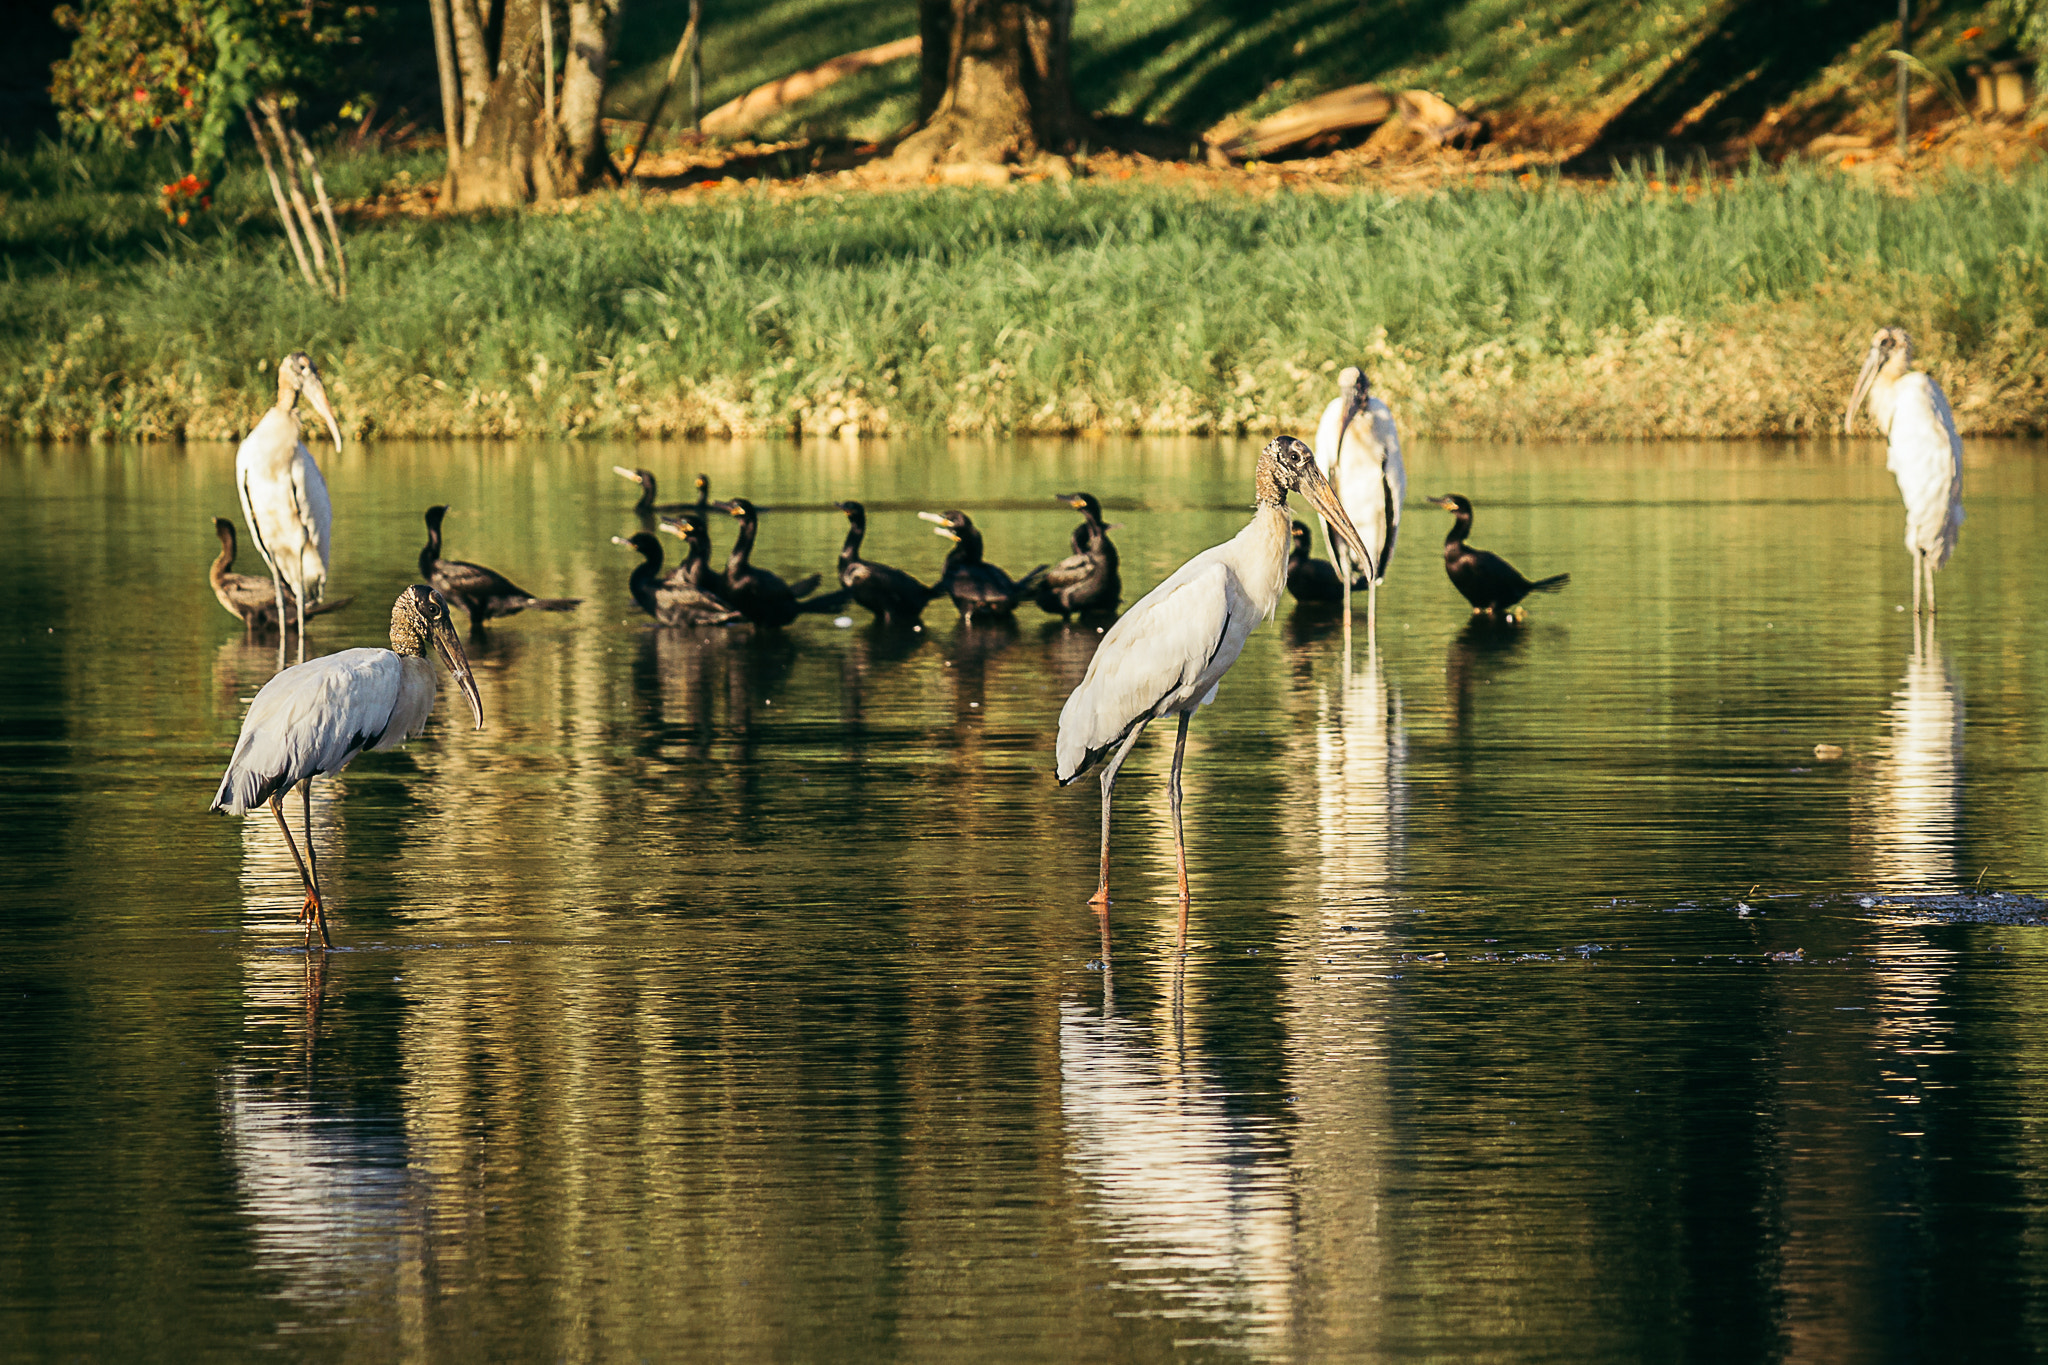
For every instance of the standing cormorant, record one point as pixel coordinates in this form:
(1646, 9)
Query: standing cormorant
(1489, 583)
(891, 594)
(481, 592)
(975, 585)
(1085, 581)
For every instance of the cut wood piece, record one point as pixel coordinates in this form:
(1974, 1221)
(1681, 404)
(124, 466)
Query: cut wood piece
(1355, 106)
(1433, 118)
(736, 116)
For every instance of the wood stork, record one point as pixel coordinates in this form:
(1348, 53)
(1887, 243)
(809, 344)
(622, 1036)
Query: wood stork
(1167, 655)
(974, 584)
(481, 592)
(312, 719)
(1312, 582)
(247, 598)
(1925, 455)
(671, 601)
(892, 595)
(647, 507)
(759, 595)
(1489, 583)
(1359, 451)
(284, 499)
(1087, 580)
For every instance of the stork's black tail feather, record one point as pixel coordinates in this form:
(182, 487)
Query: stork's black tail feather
(1550, 584)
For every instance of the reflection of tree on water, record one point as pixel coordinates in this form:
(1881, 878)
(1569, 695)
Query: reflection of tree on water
(1191, 1202)
(1918, 825)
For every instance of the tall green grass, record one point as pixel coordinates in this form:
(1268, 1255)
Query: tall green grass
(1534, 310)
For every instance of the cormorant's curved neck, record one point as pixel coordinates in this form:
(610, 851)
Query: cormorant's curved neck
(431, 551)
(225, 560)
(856, 530)
(1460, 528)
(646, 503)
(742, 545)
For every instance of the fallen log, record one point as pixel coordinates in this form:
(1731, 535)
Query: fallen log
(736, 116)
(1429, 116)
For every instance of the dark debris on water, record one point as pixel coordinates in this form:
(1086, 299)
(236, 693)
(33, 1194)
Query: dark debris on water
(1968, 907)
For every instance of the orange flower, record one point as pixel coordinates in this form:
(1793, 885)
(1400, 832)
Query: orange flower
(1972, 32)
(141, 95)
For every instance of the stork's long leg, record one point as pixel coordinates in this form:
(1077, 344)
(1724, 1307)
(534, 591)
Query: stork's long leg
(312, 854)
(1101, 896)
(312, 891)
(1372, 614)
(1180, 847)
(1927, 567)
(277, 586)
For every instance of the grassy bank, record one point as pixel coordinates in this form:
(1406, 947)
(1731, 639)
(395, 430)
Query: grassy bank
(1520, 312)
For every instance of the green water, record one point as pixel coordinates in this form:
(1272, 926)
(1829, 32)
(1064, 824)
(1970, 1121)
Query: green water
(737, 998)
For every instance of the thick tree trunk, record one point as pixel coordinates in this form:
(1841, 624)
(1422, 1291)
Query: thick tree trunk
(515, 153)
(473, 57)
(1001, 70)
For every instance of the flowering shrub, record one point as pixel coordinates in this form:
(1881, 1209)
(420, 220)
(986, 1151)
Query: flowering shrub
(187, 67)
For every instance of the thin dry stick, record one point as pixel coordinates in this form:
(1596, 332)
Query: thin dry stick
(451, 85)
(675, 69)
(326, 210)
(547, 60)
(284, 212)
(291, 182)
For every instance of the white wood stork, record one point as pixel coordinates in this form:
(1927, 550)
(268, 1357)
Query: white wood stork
(1166, 655)
(1925, 455)
(284, 499)
(1359, 451)
(312, 719)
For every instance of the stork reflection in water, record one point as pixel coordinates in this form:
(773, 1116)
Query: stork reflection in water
(312, 719)
(1167, 655)
(1919, 786)
(1923, 452)
(284, 497)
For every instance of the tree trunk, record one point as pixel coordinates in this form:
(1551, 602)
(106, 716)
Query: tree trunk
(996, 83)
(513, 152)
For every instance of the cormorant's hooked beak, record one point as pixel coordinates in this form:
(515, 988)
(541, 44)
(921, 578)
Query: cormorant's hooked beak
(729, 508)
(626, 473)
(450, 647)
(1446, 502)
(1317, 490)
(1865, 377)
(316, 394)
(943, 527)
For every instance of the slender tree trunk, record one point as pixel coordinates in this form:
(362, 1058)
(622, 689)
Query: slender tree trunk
(593, 29)
(1002, 72)
(473, 56)
(519, 154)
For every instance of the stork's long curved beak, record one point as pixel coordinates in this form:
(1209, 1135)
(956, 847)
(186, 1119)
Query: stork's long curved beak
(316, 394)
(1865, 377)
(450, 647)
(1317, 490)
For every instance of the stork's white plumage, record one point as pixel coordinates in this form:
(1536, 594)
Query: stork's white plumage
(1924, 452)
(1359, 451)
(1166, 655)
(312, 719)
(284, 498)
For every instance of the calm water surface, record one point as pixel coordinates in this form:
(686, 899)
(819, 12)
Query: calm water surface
(737, 996)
